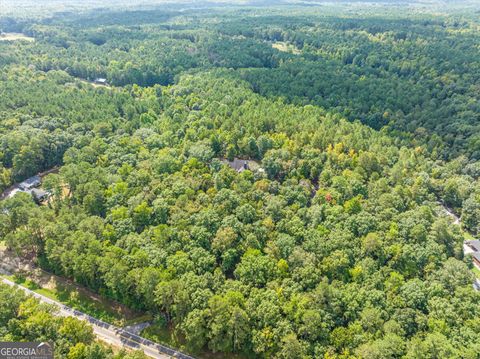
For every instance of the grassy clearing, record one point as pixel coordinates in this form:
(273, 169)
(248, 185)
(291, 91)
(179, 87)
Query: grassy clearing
(75, 296)
(161, 334)
(468, 236)
(286, 47)
(14, 36)
(70, 296)
(476, 271)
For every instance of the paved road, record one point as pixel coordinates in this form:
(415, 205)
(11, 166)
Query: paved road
(449, 212)
(107, 332)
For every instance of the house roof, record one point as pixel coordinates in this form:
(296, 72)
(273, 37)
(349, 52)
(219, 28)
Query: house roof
(39, 193)
(474, 244)
(238, 165)
(32, 181)
(476, 256)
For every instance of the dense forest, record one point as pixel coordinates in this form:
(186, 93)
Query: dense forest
(358, 126)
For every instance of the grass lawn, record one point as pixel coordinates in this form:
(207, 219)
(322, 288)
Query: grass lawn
(161, 334)
(468, 236)
(476, 271)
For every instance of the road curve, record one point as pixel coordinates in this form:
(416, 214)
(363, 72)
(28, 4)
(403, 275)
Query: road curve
(109, 333)
(448, 211)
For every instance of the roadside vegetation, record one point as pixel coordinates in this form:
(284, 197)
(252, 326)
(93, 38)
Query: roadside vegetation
(23, 318)
(161, 332)
(70, 295)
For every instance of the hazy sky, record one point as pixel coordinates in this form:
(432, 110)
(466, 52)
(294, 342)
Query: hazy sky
(25, 8)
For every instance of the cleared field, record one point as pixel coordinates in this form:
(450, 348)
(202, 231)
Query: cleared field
(286, 47)
(15, 36)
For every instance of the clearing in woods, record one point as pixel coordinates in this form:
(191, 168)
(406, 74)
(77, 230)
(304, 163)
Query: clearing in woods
(286, 47)
(15, 36)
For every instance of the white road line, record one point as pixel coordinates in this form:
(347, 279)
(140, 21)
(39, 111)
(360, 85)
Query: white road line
(107, 332)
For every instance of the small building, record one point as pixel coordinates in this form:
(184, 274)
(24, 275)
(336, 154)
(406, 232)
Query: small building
(101, 81)
(241, 165)
(476, 259)
(39, 195)
(30, 183)
(472, 246)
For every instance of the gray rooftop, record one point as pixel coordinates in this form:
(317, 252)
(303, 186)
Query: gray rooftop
(31, 182)
(474, 244)
(238, 164)
(39, 193)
